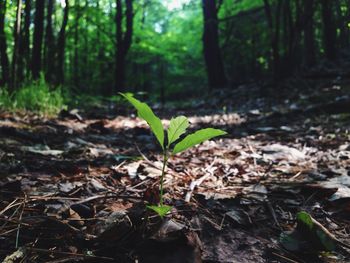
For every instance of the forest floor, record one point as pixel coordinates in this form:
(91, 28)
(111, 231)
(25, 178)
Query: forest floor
(74, 188)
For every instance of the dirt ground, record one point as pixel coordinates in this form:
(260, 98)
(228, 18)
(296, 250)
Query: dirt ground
(74, 188)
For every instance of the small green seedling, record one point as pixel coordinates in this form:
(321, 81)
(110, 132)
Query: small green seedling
(177, 127)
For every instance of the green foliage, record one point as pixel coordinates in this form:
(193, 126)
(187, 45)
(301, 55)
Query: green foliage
(316, 231)
(240, 6)
(161, 210)
(87, 101)
(34, 96)
(197, 138)
(309, 236)
(166, 48)
(177, 127)
(176, 53)
(37, 96)
(146, 113)
(5, 99)
(83, 100)
(305, 219)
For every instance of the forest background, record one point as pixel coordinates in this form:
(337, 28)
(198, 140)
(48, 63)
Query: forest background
(164, 48)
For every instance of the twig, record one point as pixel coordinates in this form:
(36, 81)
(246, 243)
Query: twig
(195, 184)
(40, 250)
(115, 168)
(20, 219)
(37, 198)
(96, 197)
(142, 155)
(215, 225)
(9, 206)
(199, 181)
(285, 258)
(210, 165)
(295, 176)
(137, 185)
(8, 232)
(13, 221)
(273, 213)
(15, 212)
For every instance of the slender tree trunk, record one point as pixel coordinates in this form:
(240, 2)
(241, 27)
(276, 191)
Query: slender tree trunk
(16, 48)
(161, 81)
(124, 40)
(211, 49)
(309, 34)
(85, 58)
(38, 38)
(120, 71)
(289, 28)
(129, 25)
(61, 45)
(274, 27)
(120, 56)
(5, 64)
(76, 43)
(49, 43)
(287, 33)
(329, 30)
(296, 27)
(286, 23)
(25, 42)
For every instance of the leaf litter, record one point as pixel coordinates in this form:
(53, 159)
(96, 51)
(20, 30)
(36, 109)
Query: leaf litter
(75, 189)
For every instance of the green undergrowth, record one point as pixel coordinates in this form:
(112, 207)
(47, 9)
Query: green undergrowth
(86, 100)
(36, 96)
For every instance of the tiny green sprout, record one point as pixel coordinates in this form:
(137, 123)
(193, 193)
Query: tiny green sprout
(177, 128)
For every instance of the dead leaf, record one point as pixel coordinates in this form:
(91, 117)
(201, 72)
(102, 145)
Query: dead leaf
(278, 152)
(41, 149)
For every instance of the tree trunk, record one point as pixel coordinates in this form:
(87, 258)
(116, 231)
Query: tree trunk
(76, 43)
(287, 33)
(329, 30)
(120, 56)
(274, 27)
(25, 42)
(161, 81)
(17, 39)
(49, 43)
(309, 34)
(85, 58)
(38, 38)
(124, 40)
(5, 64)
(296, 27)
(61, 45)
(211, 49)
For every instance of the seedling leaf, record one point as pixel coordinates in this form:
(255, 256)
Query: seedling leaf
(161, 210)
(308, 236)
(317, 231)
(196, 138)
(176, 128)
(305, 219)
(146, 113)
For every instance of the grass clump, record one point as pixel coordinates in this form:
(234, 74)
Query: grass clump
(36, 96)
(5, 99)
